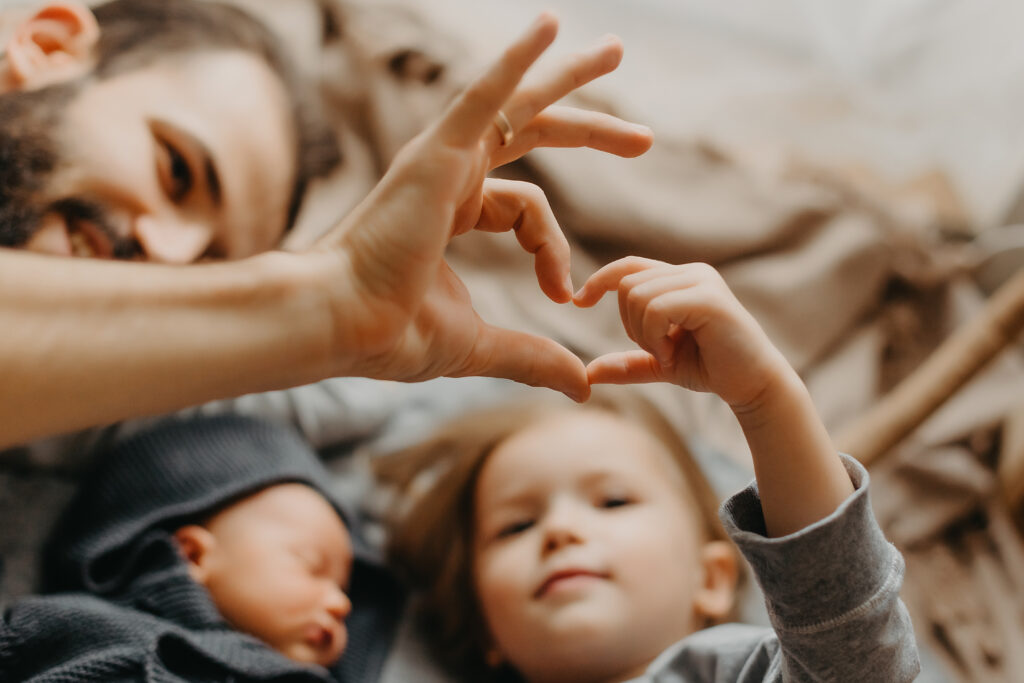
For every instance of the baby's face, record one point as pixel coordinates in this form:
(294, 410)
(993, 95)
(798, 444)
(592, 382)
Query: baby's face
(585, 548)
(277, 567)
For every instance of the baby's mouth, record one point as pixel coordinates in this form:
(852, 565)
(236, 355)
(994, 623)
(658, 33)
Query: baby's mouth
(319, 637)
(327, 641)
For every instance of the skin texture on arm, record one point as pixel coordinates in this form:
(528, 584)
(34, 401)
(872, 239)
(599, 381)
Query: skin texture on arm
(88, 343)
(695, 333)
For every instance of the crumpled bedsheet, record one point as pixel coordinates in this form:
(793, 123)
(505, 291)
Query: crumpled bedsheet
(854, 282)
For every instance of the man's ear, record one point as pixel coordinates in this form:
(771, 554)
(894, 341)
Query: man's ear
(54, 44)
(717, 593)
(196, 544)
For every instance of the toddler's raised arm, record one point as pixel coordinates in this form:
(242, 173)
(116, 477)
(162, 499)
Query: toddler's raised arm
(693, 332)
(831, 580)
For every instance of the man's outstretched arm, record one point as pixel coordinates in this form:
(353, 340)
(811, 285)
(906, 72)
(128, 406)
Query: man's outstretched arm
(85, 343)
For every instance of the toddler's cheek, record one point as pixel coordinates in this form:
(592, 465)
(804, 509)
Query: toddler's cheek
(501, 593)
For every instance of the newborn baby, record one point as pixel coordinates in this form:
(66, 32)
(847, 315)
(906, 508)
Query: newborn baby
(206, 549)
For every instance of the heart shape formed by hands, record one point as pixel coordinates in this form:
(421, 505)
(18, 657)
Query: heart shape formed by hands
(401, 312)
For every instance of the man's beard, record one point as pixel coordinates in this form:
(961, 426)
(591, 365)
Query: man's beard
(28, 160)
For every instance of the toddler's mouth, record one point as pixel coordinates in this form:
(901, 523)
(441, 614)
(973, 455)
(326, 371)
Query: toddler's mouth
(563, 576)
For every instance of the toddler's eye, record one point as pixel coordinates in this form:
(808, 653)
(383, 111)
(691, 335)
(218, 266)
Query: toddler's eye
(615, 501)
(515, 528)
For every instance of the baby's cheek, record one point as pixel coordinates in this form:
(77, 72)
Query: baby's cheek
(297, 652)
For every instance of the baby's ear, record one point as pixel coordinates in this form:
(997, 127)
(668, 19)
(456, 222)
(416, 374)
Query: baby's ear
(196, 544)
(717, 593)
(53, 44)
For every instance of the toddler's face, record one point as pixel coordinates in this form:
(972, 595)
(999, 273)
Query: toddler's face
(277, 565)
(586, 548)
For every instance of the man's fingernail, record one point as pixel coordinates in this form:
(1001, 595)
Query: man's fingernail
(568, 284)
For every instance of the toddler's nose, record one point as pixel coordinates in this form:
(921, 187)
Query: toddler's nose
(562, 526)
(559, 537)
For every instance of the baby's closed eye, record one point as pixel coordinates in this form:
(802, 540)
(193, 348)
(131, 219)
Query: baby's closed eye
(314, 561)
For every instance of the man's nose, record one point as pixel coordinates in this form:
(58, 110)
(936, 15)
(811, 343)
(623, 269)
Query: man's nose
(338, 604)
(167, 240)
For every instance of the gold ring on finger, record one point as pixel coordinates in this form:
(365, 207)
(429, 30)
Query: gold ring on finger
(501, 122)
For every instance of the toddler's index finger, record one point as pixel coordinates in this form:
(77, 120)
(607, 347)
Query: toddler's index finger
(475, 108)
(606, 279)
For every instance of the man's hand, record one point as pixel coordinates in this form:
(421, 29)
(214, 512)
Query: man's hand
(400, 312)
(691, 329)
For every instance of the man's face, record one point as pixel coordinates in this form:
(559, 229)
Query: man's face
(189, 157)
(585, 548)
(278, 568)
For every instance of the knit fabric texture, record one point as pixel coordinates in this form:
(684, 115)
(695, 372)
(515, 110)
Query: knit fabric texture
(178, 473)
(126, 607)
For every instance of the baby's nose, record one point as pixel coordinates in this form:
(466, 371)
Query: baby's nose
(338, 605)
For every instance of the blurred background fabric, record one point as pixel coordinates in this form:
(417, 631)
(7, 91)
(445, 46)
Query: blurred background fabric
(855, 170)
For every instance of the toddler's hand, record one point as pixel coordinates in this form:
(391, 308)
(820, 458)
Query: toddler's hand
(692, 329)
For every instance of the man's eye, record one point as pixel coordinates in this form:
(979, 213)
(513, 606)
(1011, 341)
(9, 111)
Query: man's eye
(177, 174)
(515, 528)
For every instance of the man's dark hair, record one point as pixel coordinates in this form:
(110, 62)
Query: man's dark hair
(134, 33)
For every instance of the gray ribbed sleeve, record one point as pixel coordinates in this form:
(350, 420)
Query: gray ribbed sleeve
(832, 590)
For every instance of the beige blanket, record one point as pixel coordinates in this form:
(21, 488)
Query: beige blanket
(855, 276)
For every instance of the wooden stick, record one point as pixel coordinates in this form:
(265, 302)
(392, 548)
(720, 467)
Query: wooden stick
(948, 368)
(1010, 471)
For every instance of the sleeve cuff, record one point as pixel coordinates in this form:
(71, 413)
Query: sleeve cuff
(826, 569)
